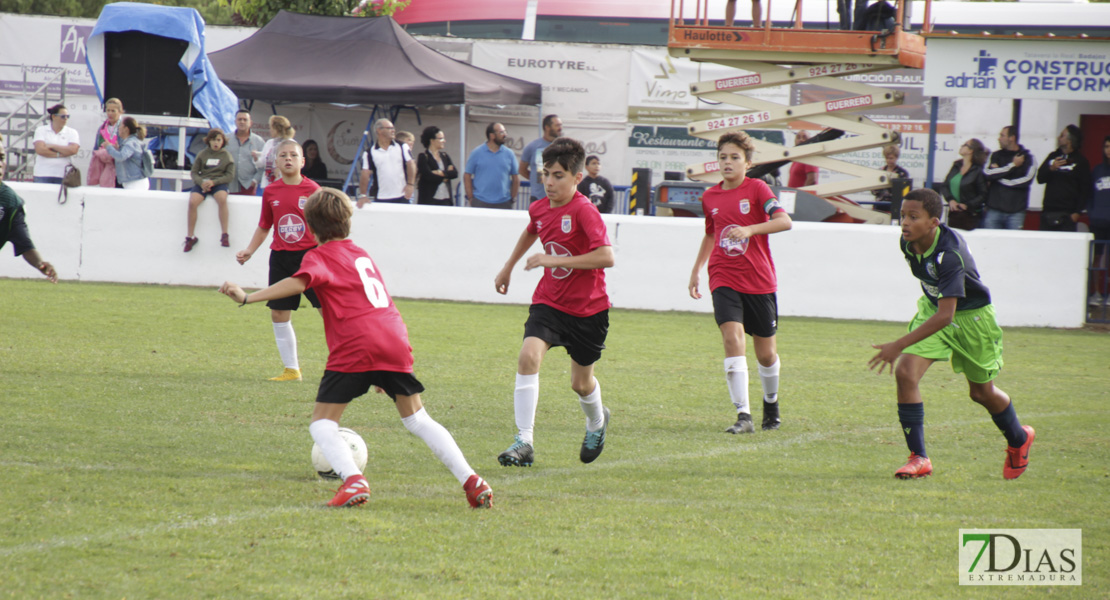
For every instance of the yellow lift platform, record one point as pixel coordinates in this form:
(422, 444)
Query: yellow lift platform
(769, 57)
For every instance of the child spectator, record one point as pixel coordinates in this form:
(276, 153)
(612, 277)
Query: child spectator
(212, 173)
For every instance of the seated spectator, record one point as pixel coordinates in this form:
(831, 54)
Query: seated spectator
(55, 143)
(891, 153)
(314, 168)
(965, 186)
(434, 169)
(212, 171)
(128, 154)
(102, 167)
(595, 187)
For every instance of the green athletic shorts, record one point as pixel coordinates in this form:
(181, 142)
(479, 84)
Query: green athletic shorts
(973, 341)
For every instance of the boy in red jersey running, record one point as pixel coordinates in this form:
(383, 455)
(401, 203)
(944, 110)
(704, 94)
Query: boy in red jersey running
(283, 203)
(570, 306)
(740, 213)
(368, 345)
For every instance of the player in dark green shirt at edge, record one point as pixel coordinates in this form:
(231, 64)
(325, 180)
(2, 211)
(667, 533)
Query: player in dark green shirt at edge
(955, 320)
(14, 229)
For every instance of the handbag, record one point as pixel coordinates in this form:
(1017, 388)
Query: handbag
(71, 177)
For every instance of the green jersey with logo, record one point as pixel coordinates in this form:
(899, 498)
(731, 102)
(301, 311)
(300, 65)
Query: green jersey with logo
(947, 270)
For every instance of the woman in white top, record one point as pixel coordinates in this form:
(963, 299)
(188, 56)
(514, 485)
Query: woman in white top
(55, 143)
(280, 130)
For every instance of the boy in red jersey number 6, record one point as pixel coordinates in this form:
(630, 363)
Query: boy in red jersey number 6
(368, 345)
(740, 212)
(570, 306)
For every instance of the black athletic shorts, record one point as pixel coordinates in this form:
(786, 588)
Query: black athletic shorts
(583, 337)
(758, 313)
(14, 229)
(341, 388)
(284, 263)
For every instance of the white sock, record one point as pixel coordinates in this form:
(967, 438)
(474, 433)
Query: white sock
(440, 441)
(526, 396)
(591, 405)
(769, 377)
(287, 344)
(736, 375)
(326, 435)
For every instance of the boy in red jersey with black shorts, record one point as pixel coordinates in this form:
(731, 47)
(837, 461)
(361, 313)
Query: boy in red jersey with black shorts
(570, 306)
(739, 214)
(283, 204)
(368, 345)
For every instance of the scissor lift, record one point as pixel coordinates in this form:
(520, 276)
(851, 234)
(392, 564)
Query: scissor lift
(771, 57)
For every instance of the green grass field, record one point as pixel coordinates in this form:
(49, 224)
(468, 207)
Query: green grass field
(143, 454)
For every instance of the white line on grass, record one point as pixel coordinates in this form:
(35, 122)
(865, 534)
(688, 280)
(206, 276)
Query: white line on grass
(110, 536)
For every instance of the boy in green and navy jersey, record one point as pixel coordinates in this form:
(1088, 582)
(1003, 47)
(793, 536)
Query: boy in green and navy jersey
(955, 320)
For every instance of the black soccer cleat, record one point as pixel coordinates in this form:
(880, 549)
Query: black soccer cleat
(743, 424)
(520, 454)
(594, 442)
(771, 420)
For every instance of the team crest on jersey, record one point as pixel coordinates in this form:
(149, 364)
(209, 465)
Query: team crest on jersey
(931, 269)
(1, 213)
(301, 202)
(566, 224)
(291, 228)
(745, 206)
(557, 249)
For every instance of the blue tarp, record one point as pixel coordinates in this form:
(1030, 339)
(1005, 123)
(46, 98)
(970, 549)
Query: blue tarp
(210, 95)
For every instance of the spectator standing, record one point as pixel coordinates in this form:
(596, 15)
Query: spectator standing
(595, 187)
(965, 186)
(390, 164)
(314, 168)
(212, 172)
(280, 130)
(408, 139)
(55, 142)
(128, 155)
(492, 176)
(891, 153)
(244, 146)
(102, 167)
(435, 169)
(13, 226)
(1098, 210)
(801, 174)
(1066, 176)
(531, 158)
(1009, 175)
(757, 13)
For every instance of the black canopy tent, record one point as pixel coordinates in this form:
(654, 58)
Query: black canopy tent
(299, 58)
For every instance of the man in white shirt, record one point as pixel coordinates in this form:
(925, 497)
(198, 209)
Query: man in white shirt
(391, 164)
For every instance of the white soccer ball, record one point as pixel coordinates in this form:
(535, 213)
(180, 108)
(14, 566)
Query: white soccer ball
(358, 452)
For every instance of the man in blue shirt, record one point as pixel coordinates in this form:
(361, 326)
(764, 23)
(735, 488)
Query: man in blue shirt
(492, 177)
(531, 158)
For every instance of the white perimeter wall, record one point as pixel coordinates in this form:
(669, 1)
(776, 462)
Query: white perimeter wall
(825, 270)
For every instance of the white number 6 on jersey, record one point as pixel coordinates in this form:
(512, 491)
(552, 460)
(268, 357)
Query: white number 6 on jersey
(375, 290)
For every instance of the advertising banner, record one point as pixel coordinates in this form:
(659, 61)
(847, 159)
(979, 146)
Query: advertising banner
(1019, 68)
(580, 83)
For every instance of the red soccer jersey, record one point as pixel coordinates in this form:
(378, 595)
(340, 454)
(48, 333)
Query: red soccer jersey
(363, 327)
(744, 266)
(283, 204)
(573, 229)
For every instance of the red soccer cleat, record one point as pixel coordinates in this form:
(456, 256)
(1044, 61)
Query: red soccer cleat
(918, 466)
(354, 491)
(1018, 458)
(478, 493)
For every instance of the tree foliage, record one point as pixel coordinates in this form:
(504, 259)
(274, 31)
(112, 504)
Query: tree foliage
(259, 12)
